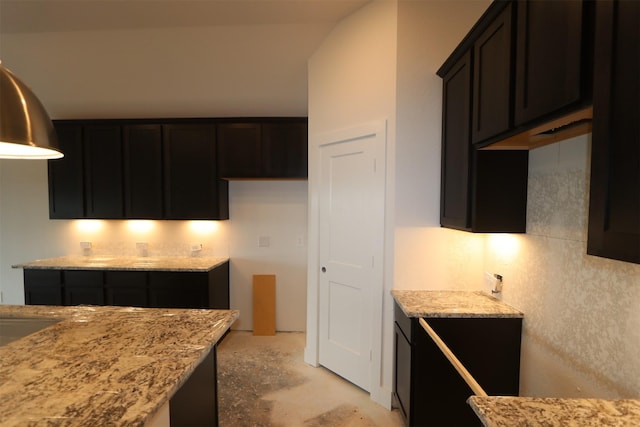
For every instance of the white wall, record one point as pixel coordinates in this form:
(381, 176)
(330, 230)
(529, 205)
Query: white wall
(352, 83)
(582, 323)
(171, 72)
(276, 210)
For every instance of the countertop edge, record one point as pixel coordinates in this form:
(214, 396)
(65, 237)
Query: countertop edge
(122, 264)
(499, 309)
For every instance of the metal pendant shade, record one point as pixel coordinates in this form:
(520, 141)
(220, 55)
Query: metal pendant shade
(26, 131)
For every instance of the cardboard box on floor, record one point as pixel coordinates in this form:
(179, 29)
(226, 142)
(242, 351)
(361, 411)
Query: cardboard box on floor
(264, 304)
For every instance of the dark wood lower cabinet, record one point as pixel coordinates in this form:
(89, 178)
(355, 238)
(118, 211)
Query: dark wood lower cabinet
(166, 289)
(43, 287)
(195, 404)
(427, 388)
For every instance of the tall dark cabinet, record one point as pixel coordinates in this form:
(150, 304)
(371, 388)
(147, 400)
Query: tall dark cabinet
(492, 84)
(103, 171)
(553, 52)
(481, 191)
(192, 187)
(66, 175)
(143, 180)
(614, 210)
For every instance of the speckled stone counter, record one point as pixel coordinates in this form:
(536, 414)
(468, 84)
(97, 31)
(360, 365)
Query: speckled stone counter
(102, 366)
(526, 411)
(452, 304)
(184, 264)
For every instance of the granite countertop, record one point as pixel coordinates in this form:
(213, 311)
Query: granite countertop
(162, 263)
(529, 411)
(102, 366)
(452, 304)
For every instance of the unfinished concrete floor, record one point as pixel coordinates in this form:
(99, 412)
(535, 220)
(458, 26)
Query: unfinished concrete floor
(264, 381)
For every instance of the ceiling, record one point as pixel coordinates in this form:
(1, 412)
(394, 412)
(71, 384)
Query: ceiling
(37, 16)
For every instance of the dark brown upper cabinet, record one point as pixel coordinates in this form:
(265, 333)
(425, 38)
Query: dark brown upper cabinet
(492, 83)
(240, 150)
(532, 62)
(284, 150)
(137, 169)
(143, 178)
(66, 176)
(192, 187)
(481, 191)
(263, 149)
(614, 204)
(552, 58)
(103, 171)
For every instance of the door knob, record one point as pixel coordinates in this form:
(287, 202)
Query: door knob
(324, 269)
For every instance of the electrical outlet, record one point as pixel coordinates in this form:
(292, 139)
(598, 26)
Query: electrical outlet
(300, 241)
(142, 248)
(264, 241)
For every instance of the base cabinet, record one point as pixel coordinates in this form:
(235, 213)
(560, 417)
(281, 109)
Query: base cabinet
(195, 404)
(427, 388)
(160, 289)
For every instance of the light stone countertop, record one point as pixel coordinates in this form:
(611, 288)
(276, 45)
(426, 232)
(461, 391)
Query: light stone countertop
(107, 262)
(551, 412)
(102, 366)
(452, 304)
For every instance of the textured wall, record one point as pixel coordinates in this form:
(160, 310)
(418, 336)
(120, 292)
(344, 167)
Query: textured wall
(582, 322)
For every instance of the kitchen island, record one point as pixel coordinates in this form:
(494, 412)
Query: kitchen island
(104, 366)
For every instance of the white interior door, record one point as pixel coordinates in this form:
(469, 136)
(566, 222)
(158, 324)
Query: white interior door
(351, 229)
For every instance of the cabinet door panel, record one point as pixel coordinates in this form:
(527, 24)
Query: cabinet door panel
(126, 288)
(240, 150)
(492, 79)
(454, 204)
(143, 171)
(402, 386)
(284, 150)
(614, 205)
(549, 58)
(179, 290)
(191, 180)
(66, 178)
(103, 171)
(43, 287)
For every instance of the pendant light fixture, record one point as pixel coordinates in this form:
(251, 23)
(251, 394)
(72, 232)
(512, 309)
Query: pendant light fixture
(26, 131)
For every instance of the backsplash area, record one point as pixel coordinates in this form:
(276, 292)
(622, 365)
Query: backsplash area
(582, 322)
(149, 238)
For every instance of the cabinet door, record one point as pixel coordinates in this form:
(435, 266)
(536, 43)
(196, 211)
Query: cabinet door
(549, 58)
(143, 171)
(83, 287)
(66, 179)
(178, 289)
(219, 287)
(454, 203)
(402, 374)
(126, 288)
(240, 150)
(492, 79)
(614, 206)
(192, 188)
(284, 150)
(43, 287)
(103, 171)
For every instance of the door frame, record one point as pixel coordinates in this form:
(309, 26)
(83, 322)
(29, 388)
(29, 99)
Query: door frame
(377, 130)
